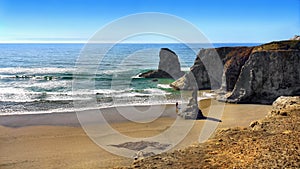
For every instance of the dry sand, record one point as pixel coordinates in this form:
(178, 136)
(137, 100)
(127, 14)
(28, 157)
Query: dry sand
(57, 140)
(271, 142)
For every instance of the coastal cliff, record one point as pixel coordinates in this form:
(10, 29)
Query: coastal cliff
(271, 71)
(250, 74)
(233, 58)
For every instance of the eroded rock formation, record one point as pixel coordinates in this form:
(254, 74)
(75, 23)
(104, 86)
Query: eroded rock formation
(266, 76)
(271, 71)
(169, 66)
(192, 110)
(211, 65)
(251, 74)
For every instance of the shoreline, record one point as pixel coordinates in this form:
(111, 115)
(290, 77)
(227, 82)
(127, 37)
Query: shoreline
(207, 95)
(54, 111)
(69, 118)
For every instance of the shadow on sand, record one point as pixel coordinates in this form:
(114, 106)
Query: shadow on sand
(209, 118)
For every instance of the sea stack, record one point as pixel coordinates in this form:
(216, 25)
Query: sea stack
(169, 66)
(192, 110)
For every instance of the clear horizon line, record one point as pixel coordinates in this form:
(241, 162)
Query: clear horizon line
(85, 42)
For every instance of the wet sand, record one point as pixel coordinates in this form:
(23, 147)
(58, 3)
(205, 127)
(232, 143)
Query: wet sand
(57, 140)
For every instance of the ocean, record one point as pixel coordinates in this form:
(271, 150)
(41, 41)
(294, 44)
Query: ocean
(37, 78)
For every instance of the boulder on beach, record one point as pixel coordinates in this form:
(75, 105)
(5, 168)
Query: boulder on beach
(169, 66)
(285, 105)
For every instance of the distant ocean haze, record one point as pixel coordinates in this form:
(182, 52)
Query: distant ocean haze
(37, 78)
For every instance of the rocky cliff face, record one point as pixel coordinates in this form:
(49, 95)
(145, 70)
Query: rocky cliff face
(266, 76)
(232, 58)
(169, 66)
(251, 74)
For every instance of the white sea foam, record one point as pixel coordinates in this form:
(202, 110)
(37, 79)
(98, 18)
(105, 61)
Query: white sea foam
(165, 86)
(154, 91)
(109, 92)
(76, 109)
(10, 94)
(21, 70)
(130, 93)
(209, 95)
(6, 76)
(185, 69)
(136, 76)
(48, 85)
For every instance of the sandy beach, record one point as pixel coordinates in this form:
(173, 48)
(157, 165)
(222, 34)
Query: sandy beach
(57, 140)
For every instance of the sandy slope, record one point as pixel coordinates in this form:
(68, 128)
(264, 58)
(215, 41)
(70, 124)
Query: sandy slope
(272, 142)
(58, 141)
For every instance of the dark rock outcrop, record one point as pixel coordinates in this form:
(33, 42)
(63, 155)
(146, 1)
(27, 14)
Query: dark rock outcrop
(251, 74)
(155, 74)
(169, 66)
(233, 63)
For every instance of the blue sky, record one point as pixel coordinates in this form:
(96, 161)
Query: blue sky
(77, 20)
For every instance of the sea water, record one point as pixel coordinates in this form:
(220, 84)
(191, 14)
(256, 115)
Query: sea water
(38, 78)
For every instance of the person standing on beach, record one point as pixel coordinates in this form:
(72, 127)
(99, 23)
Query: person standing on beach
(177, 107)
